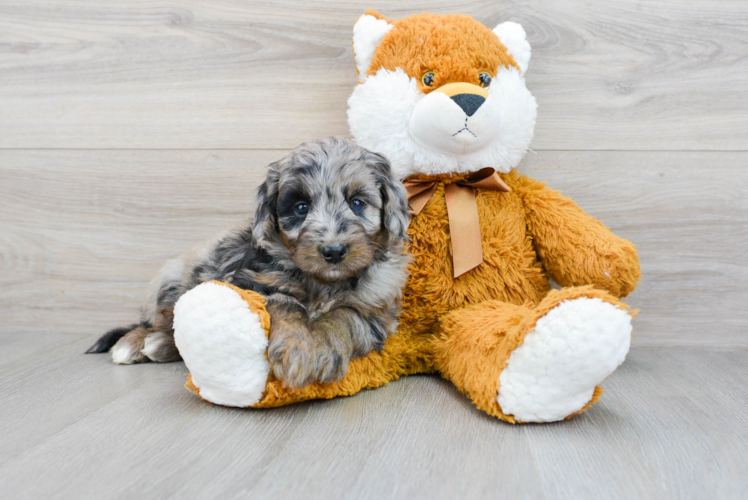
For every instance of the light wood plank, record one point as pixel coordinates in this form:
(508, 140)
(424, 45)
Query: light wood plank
(93, 228)
(687, 214)
(672, 424)
(82, 232)
(232, 74)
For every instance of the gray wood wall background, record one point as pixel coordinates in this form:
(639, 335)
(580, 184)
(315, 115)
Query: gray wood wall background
(131, 129)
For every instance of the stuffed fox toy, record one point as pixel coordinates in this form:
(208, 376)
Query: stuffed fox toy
(444, 99)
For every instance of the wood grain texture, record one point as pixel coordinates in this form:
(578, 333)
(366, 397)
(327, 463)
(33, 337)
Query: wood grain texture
(662, 75)
(672, 424)
(82, 232)
(129, 130)
(687, 214)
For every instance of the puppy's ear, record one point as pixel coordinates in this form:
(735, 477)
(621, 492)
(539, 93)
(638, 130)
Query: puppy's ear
(266, 201)
(395, 216)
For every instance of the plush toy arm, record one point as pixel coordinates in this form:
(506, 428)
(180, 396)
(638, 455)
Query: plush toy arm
(575, 248)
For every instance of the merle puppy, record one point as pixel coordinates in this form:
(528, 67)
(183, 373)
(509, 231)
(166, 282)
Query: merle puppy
(326, 247)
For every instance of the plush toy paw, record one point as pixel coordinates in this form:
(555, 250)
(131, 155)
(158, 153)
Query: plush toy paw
(223, 340)
(573, 347)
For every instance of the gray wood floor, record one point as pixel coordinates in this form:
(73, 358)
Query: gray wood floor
(672, 424)
(129, 130)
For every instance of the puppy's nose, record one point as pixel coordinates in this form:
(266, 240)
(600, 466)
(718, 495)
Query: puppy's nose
(334, 253)
(469, 102)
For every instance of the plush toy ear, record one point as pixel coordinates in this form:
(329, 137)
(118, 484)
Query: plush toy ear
(368, 31)
(512, 35)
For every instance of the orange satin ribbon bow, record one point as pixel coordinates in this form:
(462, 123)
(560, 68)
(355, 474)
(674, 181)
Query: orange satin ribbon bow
(462, 210)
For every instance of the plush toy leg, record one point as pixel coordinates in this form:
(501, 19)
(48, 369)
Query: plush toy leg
(535, 363)
(399, 357)
(221, 332)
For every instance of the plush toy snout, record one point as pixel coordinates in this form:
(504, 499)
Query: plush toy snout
(467, 96)
(456, 118)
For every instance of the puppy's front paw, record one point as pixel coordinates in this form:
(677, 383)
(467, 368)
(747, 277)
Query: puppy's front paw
(291, 355)
(332, 364)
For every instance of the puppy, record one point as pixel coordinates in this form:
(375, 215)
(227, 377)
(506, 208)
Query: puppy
(326, 247)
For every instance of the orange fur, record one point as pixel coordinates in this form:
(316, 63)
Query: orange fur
(486, 334)
(457, 49)
(466, 328)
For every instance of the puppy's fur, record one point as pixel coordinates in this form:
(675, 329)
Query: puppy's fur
(327, 306)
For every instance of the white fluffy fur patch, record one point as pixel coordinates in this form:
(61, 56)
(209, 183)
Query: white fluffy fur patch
(513, 36)
(367, 33)
(572, 349)
(440, 125)
(125, 354)
(223, 344)
(153, 342)
(380, 111)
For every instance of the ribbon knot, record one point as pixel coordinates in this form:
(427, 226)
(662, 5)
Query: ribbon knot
(462, 210)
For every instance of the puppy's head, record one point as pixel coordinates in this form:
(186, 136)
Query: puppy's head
(331, 208)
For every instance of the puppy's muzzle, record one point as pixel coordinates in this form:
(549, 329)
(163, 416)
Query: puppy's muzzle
(334, 254)
(467, 96)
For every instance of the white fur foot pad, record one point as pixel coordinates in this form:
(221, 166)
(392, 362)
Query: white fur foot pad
(124, 353)
(223, 344)
(572, 348)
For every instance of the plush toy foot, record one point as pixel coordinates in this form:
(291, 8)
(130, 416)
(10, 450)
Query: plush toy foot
(221, 333)
(570, 350)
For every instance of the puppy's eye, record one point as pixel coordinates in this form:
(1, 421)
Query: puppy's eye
(357, 205)
(428, 78)
(301, 208)
(485, 79)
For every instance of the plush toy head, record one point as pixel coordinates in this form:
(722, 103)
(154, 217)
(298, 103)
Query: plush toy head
(441, 94)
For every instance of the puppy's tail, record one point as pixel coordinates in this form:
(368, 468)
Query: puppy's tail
(110, 338)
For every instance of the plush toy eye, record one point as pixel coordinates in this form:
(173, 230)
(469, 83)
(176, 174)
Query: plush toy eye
(428, 78)
(485, 79)
(357, 205)
(301, 209)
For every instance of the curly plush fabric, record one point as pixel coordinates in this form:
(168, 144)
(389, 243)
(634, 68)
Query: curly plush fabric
(454, 41)
(520, 351)
(467, 328)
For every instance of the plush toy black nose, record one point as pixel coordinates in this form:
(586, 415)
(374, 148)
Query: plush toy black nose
(334, 253)
(469, 102)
